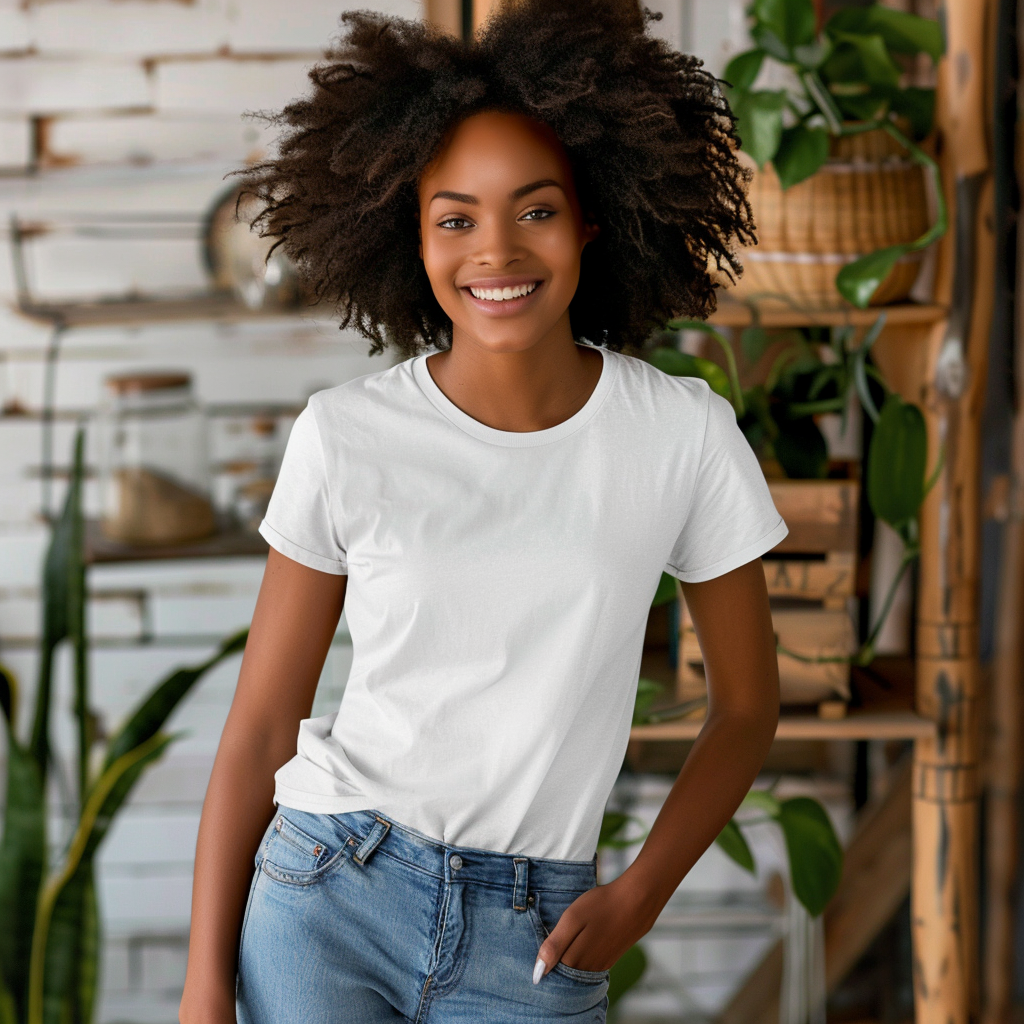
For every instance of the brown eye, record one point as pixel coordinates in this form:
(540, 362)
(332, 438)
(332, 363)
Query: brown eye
(454, 223)
(540, 214)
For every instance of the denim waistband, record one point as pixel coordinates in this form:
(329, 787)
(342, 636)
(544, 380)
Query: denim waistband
(375, 831)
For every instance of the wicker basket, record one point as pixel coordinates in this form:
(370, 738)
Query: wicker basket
(867, 196)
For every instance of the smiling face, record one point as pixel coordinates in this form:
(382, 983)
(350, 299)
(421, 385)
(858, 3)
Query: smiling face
(501, 232)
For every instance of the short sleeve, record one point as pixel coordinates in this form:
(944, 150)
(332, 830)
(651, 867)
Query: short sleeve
(299, 522)
(731, 519)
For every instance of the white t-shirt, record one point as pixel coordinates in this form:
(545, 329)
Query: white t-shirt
(499, 586)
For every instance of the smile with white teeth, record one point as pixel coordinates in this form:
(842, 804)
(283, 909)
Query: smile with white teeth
(501, 294)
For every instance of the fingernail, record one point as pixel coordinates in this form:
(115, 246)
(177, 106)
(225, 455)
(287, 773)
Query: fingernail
(538, 970)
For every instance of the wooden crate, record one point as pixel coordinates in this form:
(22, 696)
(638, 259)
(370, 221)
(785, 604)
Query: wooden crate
(810, 577)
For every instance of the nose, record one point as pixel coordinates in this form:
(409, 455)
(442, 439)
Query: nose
(497, 244)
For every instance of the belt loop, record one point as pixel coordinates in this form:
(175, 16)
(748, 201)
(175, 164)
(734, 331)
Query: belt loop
(522, 866)
(372, 841)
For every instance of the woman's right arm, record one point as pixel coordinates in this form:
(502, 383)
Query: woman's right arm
(296, 615)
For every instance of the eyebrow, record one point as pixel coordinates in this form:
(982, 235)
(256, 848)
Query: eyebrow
(523, 190)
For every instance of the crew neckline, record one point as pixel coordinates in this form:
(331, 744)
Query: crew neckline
(516, 438)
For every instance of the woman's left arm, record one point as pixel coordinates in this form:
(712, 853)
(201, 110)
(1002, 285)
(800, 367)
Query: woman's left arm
(734, 626)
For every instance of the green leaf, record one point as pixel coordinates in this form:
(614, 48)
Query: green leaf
(59, 576)
(72, 958)
(768, 41)
(858, 281)
(8, 1011)
(666, 591)
(862, 105)
(9, 697)
(682, 364)
(613, 824)
(647, 692)
(759, 122)
(625, 973)
(902, 32)
(896, 462)
(801, 152)
(63, 905)
(732, 841)
(88, 967)
(860, 59)
(813, 55)
(761, 800)
(76, 617)
(743, 69)
(754, 342)
(793, 21)
(154, 711)
(22, 866)
(815, 856)
(917, 106)
(801, 449)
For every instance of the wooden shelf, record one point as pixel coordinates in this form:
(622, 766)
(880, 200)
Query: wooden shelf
(224, 308)
(881, 707)
(857, 725)
(229, 542)
(776, 313)
(219, 307)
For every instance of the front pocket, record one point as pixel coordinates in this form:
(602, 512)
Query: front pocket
(295, 856)
(548, 906)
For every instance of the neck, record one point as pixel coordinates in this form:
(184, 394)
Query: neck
(525, 390)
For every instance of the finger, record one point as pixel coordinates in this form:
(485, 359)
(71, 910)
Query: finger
(551, 950)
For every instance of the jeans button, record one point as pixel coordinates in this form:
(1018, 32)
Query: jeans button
(456, 862)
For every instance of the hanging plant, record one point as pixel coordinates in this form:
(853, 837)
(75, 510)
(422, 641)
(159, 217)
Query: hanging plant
(841, 79)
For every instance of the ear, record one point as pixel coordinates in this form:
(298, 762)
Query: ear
(590, 230)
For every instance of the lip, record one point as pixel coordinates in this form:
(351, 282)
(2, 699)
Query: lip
(506, 307)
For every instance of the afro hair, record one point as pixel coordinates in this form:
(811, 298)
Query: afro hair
(648, 133)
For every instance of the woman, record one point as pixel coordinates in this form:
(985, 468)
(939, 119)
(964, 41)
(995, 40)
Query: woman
(504, 506)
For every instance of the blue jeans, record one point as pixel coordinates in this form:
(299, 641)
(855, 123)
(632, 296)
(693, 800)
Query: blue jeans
(357, 919)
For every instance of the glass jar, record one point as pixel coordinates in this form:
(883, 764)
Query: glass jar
(154, 472)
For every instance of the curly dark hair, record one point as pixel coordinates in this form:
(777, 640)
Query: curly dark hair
(648, 133)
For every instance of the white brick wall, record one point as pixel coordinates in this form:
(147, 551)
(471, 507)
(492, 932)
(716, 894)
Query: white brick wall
(229, 85)
(15, 142)
(42, 85)
(144, 138)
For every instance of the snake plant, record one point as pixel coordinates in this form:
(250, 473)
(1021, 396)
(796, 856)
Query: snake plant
(49, 914)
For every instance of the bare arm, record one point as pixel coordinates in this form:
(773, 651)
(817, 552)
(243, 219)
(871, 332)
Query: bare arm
(734, 625)
(296, 615)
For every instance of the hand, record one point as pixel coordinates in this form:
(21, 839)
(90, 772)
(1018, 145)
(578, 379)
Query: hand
(599, 926)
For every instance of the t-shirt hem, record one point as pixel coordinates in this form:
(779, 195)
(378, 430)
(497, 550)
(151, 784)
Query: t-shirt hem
(300, 554)
(314, 803)
(735, 560)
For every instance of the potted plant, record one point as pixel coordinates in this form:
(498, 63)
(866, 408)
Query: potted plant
(839, 184)
(49, 914)
(815, 373)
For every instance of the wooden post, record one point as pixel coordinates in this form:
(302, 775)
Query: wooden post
(946, 781)
(947, 774)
